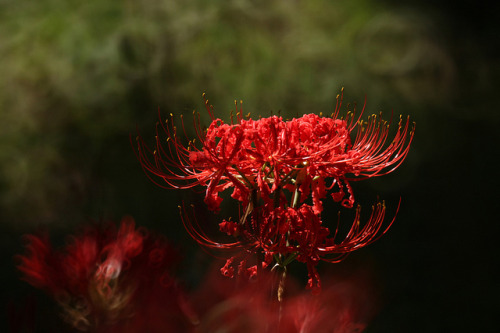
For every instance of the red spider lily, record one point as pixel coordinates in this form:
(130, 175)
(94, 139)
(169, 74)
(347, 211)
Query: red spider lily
(274, 167)
(271, 154)
(108, 280)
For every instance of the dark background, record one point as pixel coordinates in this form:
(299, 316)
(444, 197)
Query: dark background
(77, 78)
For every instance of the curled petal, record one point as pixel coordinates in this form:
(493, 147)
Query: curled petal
(229, 227)
(201, 238)
(314, 282)
(228, 269)
(359, 236)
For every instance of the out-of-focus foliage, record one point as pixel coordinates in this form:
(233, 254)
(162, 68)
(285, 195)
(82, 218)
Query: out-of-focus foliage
(77, 76)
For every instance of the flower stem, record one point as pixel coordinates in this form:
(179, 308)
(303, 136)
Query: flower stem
(281, 286)
(281, 292)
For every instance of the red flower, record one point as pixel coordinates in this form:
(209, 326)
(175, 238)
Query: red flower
(280, 172)
(106, 277)
(270, 154)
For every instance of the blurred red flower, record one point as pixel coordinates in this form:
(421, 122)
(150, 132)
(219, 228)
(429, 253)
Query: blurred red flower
(347, 305)
(109, 280)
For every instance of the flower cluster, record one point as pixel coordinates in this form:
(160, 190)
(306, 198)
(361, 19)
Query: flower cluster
(280, 171)
(105, 278)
